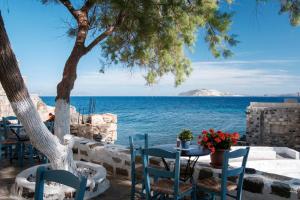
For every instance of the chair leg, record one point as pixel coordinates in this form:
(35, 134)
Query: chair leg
(132, 195)
(132, 186)
(5, 152)
(213, 197)
(10, 154)
(20, 154)
(0, 151)
(30, 152)
(194, 193)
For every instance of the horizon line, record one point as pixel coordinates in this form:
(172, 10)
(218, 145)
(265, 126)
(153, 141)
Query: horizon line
(170, 96)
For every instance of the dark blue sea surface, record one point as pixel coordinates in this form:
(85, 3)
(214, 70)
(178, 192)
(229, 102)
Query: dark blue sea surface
(164, 117)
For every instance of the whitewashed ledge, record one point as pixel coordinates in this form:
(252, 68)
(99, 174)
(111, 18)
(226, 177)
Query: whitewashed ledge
(25, 184)
(272, 172)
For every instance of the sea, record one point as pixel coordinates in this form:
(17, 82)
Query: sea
(163, 118)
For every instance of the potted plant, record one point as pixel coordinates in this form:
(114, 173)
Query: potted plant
(217, 142)
(185, 138)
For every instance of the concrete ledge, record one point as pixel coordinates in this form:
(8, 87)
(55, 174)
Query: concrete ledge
(268, 175)
(25, 183)
(285, 151)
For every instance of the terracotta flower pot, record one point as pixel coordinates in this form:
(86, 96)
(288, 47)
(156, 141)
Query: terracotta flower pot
(217, 157)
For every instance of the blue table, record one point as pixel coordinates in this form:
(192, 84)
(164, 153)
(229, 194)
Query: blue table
(16, 129)
(193, 154)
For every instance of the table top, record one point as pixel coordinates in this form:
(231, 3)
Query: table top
(194, 150)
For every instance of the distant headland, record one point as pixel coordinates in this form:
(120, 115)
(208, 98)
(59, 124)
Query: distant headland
(206, 93)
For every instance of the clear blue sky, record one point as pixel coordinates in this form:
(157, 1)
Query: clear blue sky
(267, 61)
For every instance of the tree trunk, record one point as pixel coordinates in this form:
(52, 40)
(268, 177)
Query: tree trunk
(60, 155)
(62, 107)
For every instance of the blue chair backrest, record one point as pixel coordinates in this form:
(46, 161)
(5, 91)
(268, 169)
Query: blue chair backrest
(21, 135)
(9, 118)
(161, 172)
(50, 126)
(136, 143)
(6, 122)
(58, 176)
(236, 171)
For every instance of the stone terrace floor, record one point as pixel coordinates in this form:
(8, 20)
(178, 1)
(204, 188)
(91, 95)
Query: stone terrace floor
(120, 189)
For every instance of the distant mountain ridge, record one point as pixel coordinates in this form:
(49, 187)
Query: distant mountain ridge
(206, 93)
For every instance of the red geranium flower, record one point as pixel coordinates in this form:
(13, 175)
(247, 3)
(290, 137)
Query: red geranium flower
(235, 136)
(205, 139)
(218, 140)
(222, 136)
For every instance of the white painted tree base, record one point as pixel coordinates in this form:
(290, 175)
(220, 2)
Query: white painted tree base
(97, 184)
(62, 119)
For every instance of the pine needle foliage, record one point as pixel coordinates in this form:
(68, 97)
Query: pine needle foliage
(154, 34)
(290, 7)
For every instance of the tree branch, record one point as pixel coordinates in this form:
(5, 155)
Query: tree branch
(70, 7)
(102, 36)
(87, 5)
(106, 33)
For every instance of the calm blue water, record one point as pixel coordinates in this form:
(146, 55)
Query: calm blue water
(164, 117)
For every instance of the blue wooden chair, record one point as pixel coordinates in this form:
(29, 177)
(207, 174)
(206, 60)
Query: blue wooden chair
(136, 143)
(6, 143)
(166, 184)
(221, 186)
(50, 126)
(20, 142)
(59, 176)
(6, 121)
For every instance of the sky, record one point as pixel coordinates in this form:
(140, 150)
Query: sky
(266, 61)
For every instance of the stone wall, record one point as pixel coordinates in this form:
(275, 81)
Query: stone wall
(274, 124)
(100, 128)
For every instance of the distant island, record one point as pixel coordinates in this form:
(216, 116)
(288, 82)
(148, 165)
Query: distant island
(296, 94)
(206, 93)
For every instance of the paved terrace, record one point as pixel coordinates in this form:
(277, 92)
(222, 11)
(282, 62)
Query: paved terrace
(120, 188)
